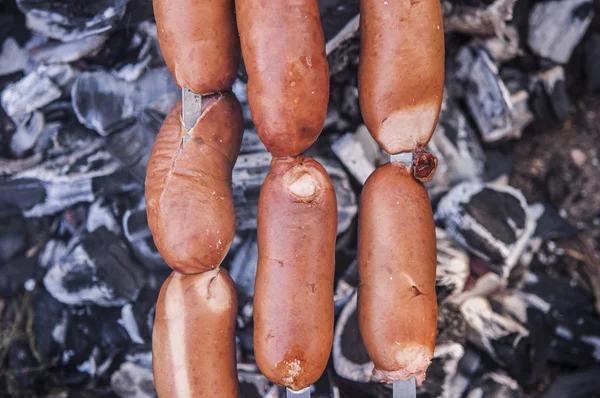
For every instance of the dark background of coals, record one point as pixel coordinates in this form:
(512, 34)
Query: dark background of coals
(83, 93)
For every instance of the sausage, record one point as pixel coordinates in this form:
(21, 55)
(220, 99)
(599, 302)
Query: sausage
(401, 71)
(199, 42)
(288, 76)
(188, 185)
(193, 341)
(293, 302)
(397, 308)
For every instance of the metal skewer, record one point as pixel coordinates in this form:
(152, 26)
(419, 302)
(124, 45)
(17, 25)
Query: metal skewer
(406, 158)
(304, 393)
(405, 389)
(191, 108)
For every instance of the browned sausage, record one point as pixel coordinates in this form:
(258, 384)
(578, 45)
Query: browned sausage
(401, 71)
(199, 42)
(397, 308)
(288, 75)
(293, 303)
(193, 341)
(188, 185)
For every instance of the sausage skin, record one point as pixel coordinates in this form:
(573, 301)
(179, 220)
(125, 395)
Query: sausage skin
(193, 341)
(288, 76)
(397, 307)
(199, 42)
(401, 71)
(189, 200)
(293, 302)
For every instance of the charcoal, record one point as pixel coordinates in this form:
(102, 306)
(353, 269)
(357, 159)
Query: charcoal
(551, 225)
(249, 173)
(68, 20)
(556, 27)
(55, 52)
(487, 98)
(350, 358)
(495, 385)
(477, 18)
(132, 145)
(358, 152)
(13, 238)
(105, 103)
(522, 114)
(550, 100)
(144, 44)
(29, 131)
(499, 336)
(452, 269)
(12, 57)
(490, 221)
(345, 288)
(28, 94)
(581, 384)
(100, 214)
(137, 233)
(442, 371)
(143, 310)
(134, 378)
(243, 266)
(61, 182)
(347, 206)
(591, 59)
(254, 384)
(96, 269)
(343, 48)
(458, 150)
(505, 46)
(49, 325)
(325, 386)
(251, 143)
(15, 273)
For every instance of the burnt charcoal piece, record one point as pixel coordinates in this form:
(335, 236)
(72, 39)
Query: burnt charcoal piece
(486, 96)
(551, 225)
(12, 57)
(105, 103)
(249, 173)
(134, 377)
(549, 96)
(505, 46)
(477, 17)
(101, 214)
(340, 27)
(452, 269)
(53, 52)
(499, 336)
(28, 94)
(62, 182)
(581, 384)
(457, 148)
(137, 233)
(68, 20)
(243, 266)
(591, 61)
(49, 325)
(142, 50)
(347, 206)
(133, 145)
(495, 385)
(490, 221)
(442, 371)
(13, 238)
(359, 153)
(556, 27)
(29, 130)
(96, 269)
(15, 273)
(138, 319)
(350, 358)
(253, 383)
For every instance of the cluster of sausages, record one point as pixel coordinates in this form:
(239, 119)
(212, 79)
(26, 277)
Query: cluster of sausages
(190, 206)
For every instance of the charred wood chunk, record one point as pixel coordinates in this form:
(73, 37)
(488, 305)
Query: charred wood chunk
(137, 233)
(486, 17)
(490, 221)
(495, 385)
(556, 27)
(96, 268)
(549, 96)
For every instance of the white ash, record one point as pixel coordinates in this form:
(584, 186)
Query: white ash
(29, 94)
(453, 264)
(128, 321)
(62, 53)
(12, 57)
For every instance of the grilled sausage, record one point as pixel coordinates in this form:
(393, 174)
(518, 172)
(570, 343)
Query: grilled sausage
(193, 341)
(293, 302)
(397, 308)
(199, 42)
(188, 185)
(288, 76)
(401, 71)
